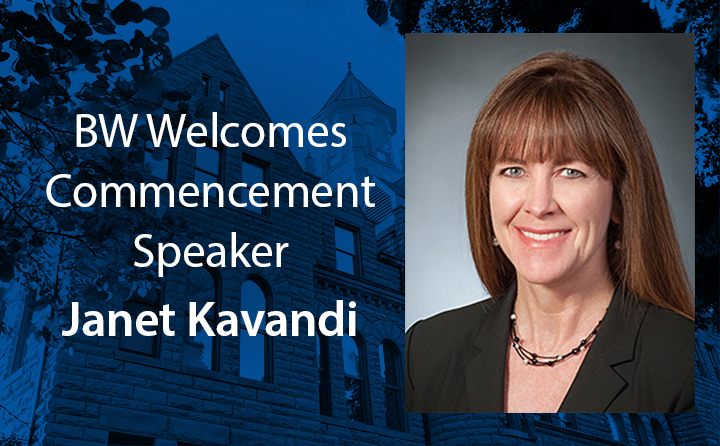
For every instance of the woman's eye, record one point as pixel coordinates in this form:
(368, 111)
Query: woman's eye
(512, 171)
(572, 173)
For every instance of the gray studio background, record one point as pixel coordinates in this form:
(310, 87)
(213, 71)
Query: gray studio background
(449, 76)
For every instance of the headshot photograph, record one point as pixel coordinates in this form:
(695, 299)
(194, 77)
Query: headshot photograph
(550, 223)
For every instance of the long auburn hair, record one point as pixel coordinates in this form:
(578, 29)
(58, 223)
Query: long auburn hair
(561, 107)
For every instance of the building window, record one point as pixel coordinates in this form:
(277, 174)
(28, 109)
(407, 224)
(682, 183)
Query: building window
(658, 432)
(201, 350)
(137, 343)
(324, 390)
(24, 331)
(699, 363)
(390, 373)
(207, 85)
(617, 427)
(671, 428)
(511, 421)
(346, 249)
(207, 168)
(254, 173)
(355, 382)
(225, 98)
(255, 352)
(122, 439)
(712, 354)
(159, 159)
(638, 429)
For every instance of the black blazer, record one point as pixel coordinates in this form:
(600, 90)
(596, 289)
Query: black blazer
(642, 360)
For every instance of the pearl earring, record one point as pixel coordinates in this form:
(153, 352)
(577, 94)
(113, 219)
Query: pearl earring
(495, 241)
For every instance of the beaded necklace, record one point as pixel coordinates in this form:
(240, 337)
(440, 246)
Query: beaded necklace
(530, 358)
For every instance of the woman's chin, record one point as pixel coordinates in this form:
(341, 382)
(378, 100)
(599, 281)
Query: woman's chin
(544, 275)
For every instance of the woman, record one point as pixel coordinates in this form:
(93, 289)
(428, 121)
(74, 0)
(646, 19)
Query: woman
(571, 233)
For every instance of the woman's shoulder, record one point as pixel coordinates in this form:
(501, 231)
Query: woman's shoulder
(455, 321)
(665, 360)
(438, 351)
(450, 330)
(670, 331)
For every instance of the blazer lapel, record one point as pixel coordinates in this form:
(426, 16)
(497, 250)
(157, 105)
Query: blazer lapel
(485, 373)
(598, 382)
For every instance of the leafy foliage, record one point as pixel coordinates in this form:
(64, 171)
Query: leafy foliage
(405, 12)
(540, 16)
(12, 440)
(378, 11)
(701, 18)
(495, 16)
(66, 59)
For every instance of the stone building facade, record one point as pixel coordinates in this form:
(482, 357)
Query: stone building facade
(238, 389)
(293, 390)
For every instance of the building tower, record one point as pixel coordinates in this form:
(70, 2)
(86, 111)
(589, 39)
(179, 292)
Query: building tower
(370, 148)
(369, 127)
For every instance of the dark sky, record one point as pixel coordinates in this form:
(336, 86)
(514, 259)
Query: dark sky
(294, 54)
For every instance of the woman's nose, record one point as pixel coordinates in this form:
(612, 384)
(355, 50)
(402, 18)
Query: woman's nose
(540, 201)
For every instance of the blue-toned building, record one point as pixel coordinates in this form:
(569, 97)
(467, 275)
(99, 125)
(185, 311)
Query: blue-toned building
(242, 389)
(267, 390)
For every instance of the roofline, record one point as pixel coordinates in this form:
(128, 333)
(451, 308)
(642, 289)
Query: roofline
(373, 96)
(392, 186)
(237, 68)
(350, 73)
(247, 83)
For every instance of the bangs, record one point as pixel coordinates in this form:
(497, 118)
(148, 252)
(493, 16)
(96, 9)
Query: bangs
(551, 121)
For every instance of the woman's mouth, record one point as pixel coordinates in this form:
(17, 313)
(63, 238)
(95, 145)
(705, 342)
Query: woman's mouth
(544, 236)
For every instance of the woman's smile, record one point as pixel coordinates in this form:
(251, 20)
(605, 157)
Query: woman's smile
(543, 235)
(551, 219)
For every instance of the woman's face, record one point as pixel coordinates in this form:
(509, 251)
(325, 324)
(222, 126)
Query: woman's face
(551, 220)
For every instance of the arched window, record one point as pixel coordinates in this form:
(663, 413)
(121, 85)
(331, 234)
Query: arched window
(671, 427)
(699, 363)
(617, 427)
(204, 285)
(639, 429)
(355, 381)
(712, 354)
(512, 421)
(255, 353)
(25, 329)
(142, 300)
(390, 373)
(323, 366)
(658, 432)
